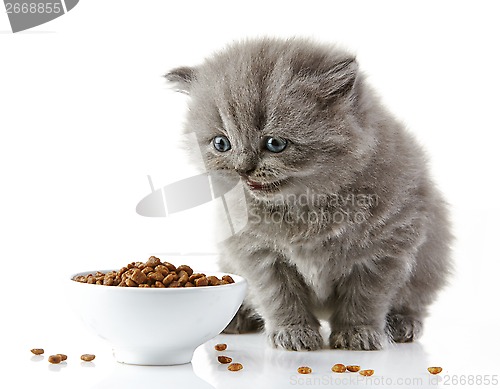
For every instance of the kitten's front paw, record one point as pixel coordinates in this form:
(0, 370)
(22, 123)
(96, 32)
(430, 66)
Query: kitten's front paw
(403, 328)
(358, 338)
(296, 338)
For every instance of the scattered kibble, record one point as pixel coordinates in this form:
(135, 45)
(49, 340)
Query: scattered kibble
(37, 351)
(87, 357)
(235, 367)
(220, 346)
(338, 368)
(435, 370)
(353, 368)
(55, 359)
(366, 373)
(224, 359)
(304, 370)
(153, 274)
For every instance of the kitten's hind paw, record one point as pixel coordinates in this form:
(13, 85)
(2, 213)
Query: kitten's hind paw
(246, 320)
(402, 328)
(296, 338)
(358, 338)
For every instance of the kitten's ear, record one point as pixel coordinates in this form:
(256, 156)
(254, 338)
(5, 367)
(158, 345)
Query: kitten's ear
(181, 78)
(340, 79)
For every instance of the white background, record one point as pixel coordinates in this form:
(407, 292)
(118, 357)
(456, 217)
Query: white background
(85, 116)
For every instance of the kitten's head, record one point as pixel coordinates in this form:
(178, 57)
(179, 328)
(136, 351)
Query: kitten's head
(281, 114)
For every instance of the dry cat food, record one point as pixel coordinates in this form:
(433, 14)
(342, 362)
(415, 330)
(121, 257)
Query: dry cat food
(353, 368)
(304, 370)
(154, 274)
(37, 351)
(223, 359)
(220, 346)
(435, 370)
(87, 357)
(235, 367)
(55, 359)
(339, 368)
(366, 373)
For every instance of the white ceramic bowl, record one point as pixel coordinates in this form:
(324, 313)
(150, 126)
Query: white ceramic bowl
(157, 326)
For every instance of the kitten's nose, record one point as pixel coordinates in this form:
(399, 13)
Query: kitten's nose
(245, 164)
(244, 172)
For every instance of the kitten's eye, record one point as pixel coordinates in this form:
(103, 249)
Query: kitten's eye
(276, 144)
(221, 143)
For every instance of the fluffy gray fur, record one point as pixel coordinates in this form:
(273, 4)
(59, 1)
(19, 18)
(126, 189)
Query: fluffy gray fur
(344, 223)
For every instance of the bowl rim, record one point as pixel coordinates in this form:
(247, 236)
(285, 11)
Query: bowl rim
(238, 280)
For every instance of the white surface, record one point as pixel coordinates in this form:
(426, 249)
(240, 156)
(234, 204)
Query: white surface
(85, 116)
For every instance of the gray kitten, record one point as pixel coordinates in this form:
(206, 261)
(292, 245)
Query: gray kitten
(344, 222)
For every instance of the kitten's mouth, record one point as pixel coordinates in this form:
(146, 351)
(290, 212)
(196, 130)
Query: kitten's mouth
(264, 186)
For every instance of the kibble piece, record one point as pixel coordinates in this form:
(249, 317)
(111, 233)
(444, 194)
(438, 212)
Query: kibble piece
(153, 262)
(228, 279)
(213, 281)
(185, 268)
(121, 271)
(194, 276)
(87, 357)
(366, 373)
(37, 351)
(183, 277)
(202, 281)
(130, 282)
(55, 359)
(235, 367)
(138, 276)
(169, 266)
(162, 269)
(220, 346)
(435, 370)
(168, 279)
(353, 368)
(175, 284)
(188, 285)
(224, 359)
(304, 370)
(156, 276)
(338, 368)
(63, 356)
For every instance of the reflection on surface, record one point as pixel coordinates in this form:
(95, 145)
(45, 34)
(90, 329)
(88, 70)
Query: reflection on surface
(57, 367)
(132, 376)
(400, 365)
